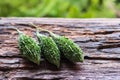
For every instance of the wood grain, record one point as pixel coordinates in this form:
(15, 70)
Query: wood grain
(98, 38)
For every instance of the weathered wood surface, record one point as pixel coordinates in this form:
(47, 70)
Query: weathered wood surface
(98, 38)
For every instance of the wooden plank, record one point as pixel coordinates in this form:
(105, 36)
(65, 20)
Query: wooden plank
(89, 70)
(98, 38)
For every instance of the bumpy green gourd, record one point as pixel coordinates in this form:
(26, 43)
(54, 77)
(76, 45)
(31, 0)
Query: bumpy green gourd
(68, 48)
(49, 49)
(29, 48)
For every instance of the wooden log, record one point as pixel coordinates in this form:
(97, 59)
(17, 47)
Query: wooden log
(98, 38)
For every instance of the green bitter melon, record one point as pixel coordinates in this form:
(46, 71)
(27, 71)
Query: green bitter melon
(29, 48)
(49, 49)
(68, 48)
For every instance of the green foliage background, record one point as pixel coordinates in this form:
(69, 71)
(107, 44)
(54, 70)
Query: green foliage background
(59, 8)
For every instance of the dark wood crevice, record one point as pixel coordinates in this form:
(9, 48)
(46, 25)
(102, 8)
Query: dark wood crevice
(104, 46)
(102, 58)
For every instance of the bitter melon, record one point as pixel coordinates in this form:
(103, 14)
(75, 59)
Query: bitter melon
(29, 48)
(68, 48)
(49, 49)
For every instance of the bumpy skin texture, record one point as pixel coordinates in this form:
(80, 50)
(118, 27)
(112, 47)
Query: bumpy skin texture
(29, 48)
(68, 48)
(49, 49)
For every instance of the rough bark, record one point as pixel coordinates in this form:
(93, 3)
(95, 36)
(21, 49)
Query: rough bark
(98, 38)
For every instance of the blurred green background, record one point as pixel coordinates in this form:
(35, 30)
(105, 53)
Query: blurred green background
(60, 8)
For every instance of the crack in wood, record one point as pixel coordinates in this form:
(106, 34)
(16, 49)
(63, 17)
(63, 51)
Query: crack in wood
(104, 46)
